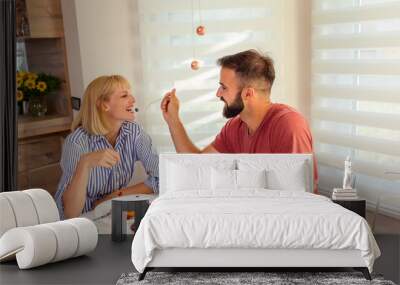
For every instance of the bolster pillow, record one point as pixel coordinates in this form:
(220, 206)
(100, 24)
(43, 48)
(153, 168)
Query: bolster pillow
(40, 244)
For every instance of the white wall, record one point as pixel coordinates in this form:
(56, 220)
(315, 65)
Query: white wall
(100, 39)
(72, 49)
(297, 54)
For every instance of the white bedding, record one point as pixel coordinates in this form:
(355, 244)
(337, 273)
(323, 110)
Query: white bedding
(251, 218)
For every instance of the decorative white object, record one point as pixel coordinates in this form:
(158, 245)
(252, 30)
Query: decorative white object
(27, 208)
(44, 204)
(23, 209)
(31, 232)
(31, 246)
(347, 178)
(37, 245)
(87, 235)
(347, 192)
(7, 216)
(67, 237)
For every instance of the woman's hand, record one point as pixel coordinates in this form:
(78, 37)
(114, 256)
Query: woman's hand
(105, 158)
(170, 107)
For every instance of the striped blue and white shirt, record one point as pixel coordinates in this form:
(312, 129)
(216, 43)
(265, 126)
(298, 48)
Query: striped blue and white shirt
(132, 144)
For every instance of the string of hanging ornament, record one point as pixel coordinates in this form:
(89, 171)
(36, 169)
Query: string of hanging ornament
(199, 31)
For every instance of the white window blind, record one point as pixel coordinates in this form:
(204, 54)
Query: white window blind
(356, 94)
(169, 44)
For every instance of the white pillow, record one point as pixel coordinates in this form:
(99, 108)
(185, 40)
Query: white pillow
(281, 173)
(251, 178)
(236, 179)
(192, 173)
(223, 179)
(293, 177)
(188, 177)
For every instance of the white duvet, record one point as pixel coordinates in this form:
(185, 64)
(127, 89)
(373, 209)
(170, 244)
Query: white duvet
(252, 218)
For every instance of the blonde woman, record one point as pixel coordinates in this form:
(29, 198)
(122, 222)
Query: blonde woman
(99, 155)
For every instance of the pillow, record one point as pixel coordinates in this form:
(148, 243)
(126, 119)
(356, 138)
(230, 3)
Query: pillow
(293, 177)
(188, 177)
(251, 178)
(223, 179)
(236, 179)
(281, 173)
(192, 173)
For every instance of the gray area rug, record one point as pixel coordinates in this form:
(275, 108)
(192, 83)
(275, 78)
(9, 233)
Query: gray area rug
(226, 278)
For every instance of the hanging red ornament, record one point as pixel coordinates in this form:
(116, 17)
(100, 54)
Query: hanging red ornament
(195, 65)
(201, 30)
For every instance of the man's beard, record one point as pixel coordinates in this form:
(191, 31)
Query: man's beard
(235, 108)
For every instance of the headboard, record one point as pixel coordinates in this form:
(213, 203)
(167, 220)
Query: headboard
(235, 159)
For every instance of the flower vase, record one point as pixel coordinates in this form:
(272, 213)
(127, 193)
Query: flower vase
(19, 108)
(25, 107)
(37, 105)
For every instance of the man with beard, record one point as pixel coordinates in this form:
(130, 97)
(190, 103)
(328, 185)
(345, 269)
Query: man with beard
(256, 124)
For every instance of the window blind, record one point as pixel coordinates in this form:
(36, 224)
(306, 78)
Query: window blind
(356, 94)
(169, 44)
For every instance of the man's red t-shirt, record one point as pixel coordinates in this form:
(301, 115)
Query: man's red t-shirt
(283, 130)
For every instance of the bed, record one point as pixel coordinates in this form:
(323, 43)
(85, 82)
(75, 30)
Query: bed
(246, 211)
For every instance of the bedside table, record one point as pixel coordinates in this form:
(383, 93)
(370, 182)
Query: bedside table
(357, 206)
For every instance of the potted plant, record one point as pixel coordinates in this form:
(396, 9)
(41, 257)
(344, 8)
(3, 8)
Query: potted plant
(33, 88)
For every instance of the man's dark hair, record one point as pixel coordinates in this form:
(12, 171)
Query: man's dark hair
(251, 67)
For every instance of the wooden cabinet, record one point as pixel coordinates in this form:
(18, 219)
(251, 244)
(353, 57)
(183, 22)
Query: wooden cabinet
(38, 161)
(44, 18)
(40, 28)
(39, 151)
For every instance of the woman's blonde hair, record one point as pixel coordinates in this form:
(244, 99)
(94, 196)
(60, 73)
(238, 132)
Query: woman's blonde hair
(91, 116)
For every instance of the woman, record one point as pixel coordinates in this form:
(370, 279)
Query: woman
(99, 155)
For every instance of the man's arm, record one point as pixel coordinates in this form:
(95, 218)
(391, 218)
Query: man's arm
(182, 142)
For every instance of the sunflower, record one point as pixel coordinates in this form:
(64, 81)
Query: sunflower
(32, 76)
(41, 86)
(30, 84)
(19, 82)
(21, 74)
(20, 96)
